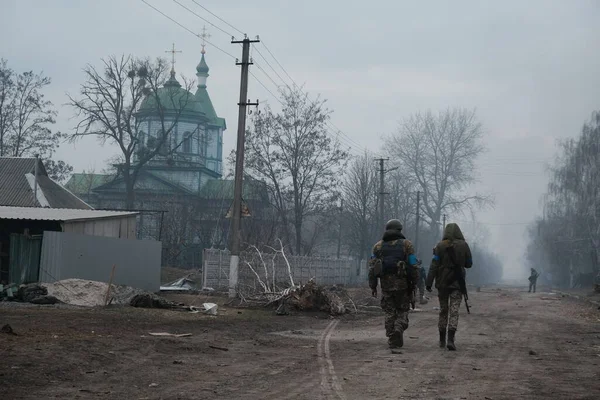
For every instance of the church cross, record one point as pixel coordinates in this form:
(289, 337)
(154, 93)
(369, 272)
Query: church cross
(173, 51)
(204, 35)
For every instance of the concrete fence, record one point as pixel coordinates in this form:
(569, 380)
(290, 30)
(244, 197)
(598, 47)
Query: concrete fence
(272, 268)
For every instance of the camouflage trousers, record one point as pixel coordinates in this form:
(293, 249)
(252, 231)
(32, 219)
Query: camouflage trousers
(449, 306)
(395, 305)
(532, 284)
(421, 287)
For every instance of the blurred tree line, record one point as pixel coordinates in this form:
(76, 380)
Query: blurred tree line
(564, 241)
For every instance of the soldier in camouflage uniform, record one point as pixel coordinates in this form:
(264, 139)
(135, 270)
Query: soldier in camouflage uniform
(421, 285)
(443, 271)
(394, 263)
(533, 280)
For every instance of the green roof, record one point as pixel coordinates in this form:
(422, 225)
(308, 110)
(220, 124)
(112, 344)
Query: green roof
(83, 183)
(223, 189)
(204, 99)
(173, 97)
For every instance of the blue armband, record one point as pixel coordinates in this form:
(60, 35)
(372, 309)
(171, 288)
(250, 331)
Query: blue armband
(436, 257)
(412, 259)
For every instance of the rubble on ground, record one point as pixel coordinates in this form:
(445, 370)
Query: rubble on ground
(27, 293)
(312, 297)
(151, 300)
(180, 285)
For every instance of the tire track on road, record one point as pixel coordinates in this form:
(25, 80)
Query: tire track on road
(329, 382)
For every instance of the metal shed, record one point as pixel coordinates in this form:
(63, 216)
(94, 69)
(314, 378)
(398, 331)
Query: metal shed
(21, 230)
(117, 224)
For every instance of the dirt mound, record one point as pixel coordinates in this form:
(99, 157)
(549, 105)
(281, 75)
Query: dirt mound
(81, 292)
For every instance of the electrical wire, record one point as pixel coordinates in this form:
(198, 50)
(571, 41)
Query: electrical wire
(216, 16)
(331, 129)
(203, 19)
(188, 30)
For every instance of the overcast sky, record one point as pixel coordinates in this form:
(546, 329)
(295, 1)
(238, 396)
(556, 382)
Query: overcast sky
(530, 68)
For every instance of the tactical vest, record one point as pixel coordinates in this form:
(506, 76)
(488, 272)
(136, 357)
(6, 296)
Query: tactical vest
(392, 254)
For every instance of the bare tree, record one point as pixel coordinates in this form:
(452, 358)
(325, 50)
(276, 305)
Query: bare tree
(116, 100)
(25, 117)
(359, 191)
(571, 203)
(292, 152)
(438, 152)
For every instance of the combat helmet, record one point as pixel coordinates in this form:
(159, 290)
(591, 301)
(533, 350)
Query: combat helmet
(393, 225)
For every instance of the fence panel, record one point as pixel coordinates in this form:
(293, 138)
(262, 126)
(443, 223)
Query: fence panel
(271, 269)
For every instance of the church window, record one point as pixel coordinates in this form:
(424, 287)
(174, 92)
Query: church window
(187, 142)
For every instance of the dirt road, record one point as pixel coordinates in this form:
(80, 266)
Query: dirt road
(107, 353)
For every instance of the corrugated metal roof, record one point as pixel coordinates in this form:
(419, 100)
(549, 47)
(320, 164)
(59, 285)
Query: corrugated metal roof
(59, 214)
(14, 188)
(16, 191)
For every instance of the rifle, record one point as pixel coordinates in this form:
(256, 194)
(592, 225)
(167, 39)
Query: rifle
(458, 275)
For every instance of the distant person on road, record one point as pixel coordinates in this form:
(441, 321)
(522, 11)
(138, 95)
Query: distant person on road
(394, 264)
(422, 278)
(450, 258)
(533, 280)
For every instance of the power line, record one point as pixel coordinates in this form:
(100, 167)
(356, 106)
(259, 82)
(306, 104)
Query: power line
(340, 135)
(204, 19)
(216, 16)
(267, 75)
(269, 64)
(188, 29)
(267, 89)
(299, 88)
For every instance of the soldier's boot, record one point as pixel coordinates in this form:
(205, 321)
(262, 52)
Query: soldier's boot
(442, 338)
(396, 341)
(451, 345)
(423, 300)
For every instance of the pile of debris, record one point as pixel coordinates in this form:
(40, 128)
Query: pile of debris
(150, 300)
(312, 297)
(307, 297)
(32, 293)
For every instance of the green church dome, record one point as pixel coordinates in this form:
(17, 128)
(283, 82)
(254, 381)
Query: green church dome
(172, 97)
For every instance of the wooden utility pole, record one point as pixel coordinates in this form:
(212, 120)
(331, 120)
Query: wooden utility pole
(443, 224)
(418, 220)
(236, 218)
(381, 191)
(339, 243)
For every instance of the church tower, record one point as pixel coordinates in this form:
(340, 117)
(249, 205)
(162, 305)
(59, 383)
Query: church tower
(193, 153)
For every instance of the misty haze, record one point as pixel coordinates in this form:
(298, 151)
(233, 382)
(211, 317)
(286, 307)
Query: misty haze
(299, 200)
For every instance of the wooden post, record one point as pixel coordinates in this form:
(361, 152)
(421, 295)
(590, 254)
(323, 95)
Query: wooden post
(112, 274)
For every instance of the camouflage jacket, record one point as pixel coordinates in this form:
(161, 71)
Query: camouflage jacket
(407, 270)
(442, 269)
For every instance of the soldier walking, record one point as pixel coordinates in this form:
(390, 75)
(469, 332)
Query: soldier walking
(533, 280)
(450, 258)
(421, 285)
(394, 263)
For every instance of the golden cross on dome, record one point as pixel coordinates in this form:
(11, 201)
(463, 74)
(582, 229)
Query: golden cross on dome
(173, 51)
(204, 35)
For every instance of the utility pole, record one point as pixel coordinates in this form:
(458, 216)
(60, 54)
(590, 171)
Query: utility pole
(418, 219)
(339, 243)
(382, 192)
(443, 224)
(236, 216)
